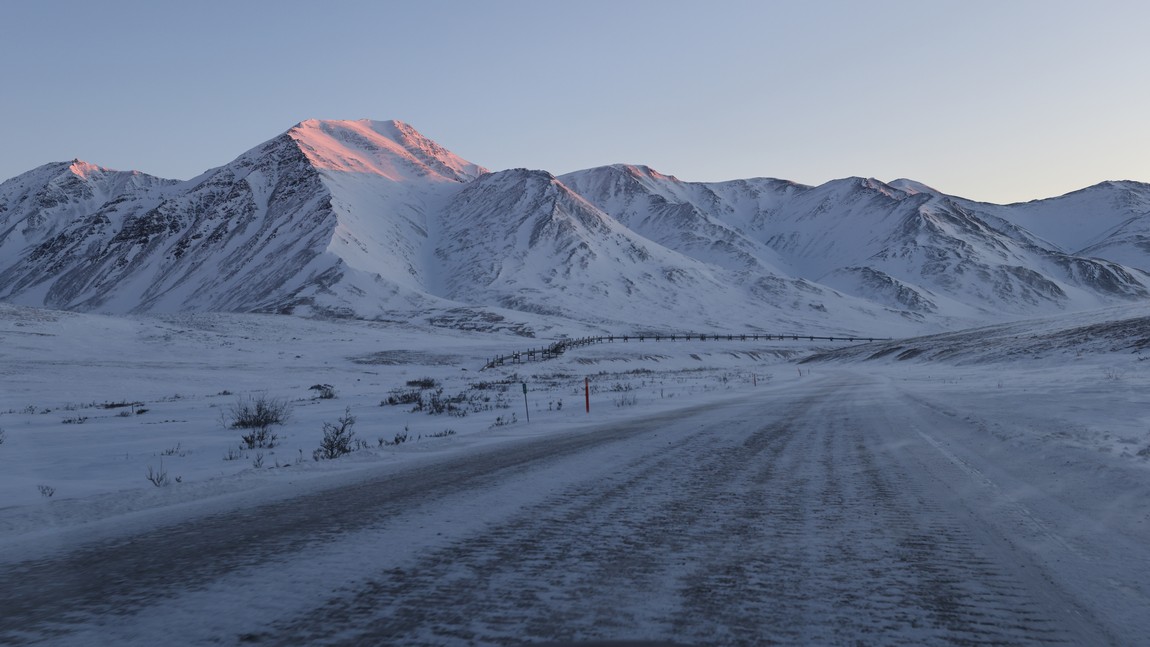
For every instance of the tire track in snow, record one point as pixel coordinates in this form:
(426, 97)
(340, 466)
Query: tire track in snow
(848, 550)
(800, 520)
(52, 597)
(799, 530)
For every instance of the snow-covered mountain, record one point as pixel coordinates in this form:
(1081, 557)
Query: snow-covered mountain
(371, 219)
(902, 245)
(311, 218)
(1110, 220)
(525, 241)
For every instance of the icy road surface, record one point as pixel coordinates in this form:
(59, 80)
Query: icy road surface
(844, 509)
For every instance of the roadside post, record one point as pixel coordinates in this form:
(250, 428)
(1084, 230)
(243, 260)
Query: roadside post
(526, 408)
(587, 392)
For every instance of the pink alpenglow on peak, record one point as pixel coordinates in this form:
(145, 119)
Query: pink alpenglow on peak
(391, 149)
(642, 170)
(92, 173)
(84, 170)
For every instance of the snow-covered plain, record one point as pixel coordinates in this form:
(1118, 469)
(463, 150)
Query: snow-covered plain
(90, 403)
(1048, 422)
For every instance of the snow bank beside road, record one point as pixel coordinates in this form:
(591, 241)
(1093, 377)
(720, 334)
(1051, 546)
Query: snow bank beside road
(90, 404)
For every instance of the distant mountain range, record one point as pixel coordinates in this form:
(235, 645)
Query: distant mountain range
(371, 219)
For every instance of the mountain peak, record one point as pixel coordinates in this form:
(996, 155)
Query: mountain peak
(391, 149)
(84, 170)
(911, 187)
(642, 170)
(1119, 185)
(372, 218)
(872, 184)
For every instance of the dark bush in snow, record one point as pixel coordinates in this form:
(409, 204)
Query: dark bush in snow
(260, 411)
(326, 391)
(337, 438)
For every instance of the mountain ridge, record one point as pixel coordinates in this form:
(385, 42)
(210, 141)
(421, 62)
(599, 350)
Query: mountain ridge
(365, 218)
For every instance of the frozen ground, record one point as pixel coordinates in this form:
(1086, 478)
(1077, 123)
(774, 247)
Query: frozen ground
(717, 493)
(89, 403)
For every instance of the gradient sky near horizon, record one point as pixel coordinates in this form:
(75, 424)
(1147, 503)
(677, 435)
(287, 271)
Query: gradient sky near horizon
(1001, 101)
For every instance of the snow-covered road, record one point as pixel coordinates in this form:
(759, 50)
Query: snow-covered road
(847, 508)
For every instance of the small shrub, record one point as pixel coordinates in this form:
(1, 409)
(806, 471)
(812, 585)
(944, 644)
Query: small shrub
(501, 387)
(337, 438)
(174, 451)
(258, 462)
(423, 383)
(438, 404)
(78, 420)
(326, 391)
(233, 455)
(260, 438)
(141, 411)
(501, 421)
(120, 405)
(399, 396)
(1, 435)
(159, 478)
(258, 414)
(399, 439)
(260, 411)
(125, 414)
(46, 490)
(625, 400)
(442, 434)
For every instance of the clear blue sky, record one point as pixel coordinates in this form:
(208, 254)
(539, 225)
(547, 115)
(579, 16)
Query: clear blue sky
(995, 100)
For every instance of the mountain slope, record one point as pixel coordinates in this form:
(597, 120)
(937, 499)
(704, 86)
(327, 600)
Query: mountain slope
(1079, 219)
(372, 219)
(680, 216)
(1110, 220)
(289, 223)
(525, 241)
(906, 247)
